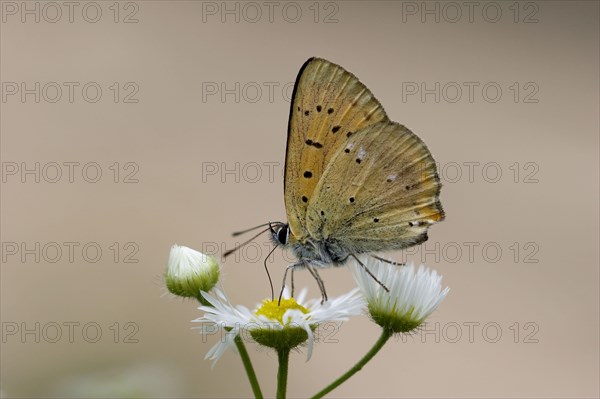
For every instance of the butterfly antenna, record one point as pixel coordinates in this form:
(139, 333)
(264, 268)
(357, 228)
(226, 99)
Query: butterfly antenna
(269, 274)
(237, 233)
(229, 252)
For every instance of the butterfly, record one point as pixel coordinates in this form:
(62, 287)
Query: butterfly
(355, 181)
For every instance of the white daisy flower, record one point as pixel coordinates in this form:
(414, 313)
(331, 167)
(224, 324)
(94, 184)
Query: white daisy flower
(279, 326)
(189, 272)
(413, 295)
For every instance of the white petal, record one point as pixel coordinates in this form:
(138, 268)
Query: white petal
(310, 343)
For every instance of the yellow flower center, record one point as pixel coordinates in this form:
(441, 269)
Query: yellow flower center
(275, 311)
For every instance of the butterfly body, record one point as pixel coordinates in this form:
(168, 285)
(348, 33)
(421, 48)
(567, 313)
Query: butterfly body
(320, 253)
(355, 181)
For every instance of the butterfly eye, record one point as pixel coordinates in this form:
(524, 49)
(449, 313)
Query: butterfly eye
(282, 235)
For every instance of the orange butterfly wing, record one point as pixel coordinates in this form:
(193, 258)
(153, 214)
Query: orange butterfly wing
(329, 104)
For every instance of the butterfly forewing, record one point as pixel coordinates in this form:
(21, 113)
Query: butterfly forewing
(379, 192)
(329, 105)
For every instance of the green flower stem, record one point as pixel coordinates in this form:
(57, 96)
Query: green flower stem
(282, 373)
(385, 335)
(248, 366)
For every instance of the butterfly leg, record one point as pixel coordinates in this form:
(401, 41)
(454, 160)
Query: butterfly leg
(391, 262)
(292, 278)
(288, 268)
(320, 283)
(370, 274)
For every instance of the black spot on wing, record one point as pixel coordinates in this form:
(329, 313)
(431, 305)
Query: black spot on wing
(313, 143)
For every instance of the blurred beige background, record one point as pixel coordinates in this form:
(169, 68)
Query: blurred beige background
(182, 107)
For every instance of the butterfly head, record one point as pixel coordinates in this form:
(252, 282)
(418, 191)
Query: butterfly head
(280, 232)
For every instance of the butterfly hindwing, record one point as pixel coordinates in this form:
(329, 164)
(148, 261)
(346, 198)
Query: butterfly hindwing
(379, 192)
(329, 104)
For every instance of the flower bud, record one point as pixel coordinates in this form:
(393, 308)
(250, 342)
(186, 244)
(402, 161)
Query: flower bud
(189, 272)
